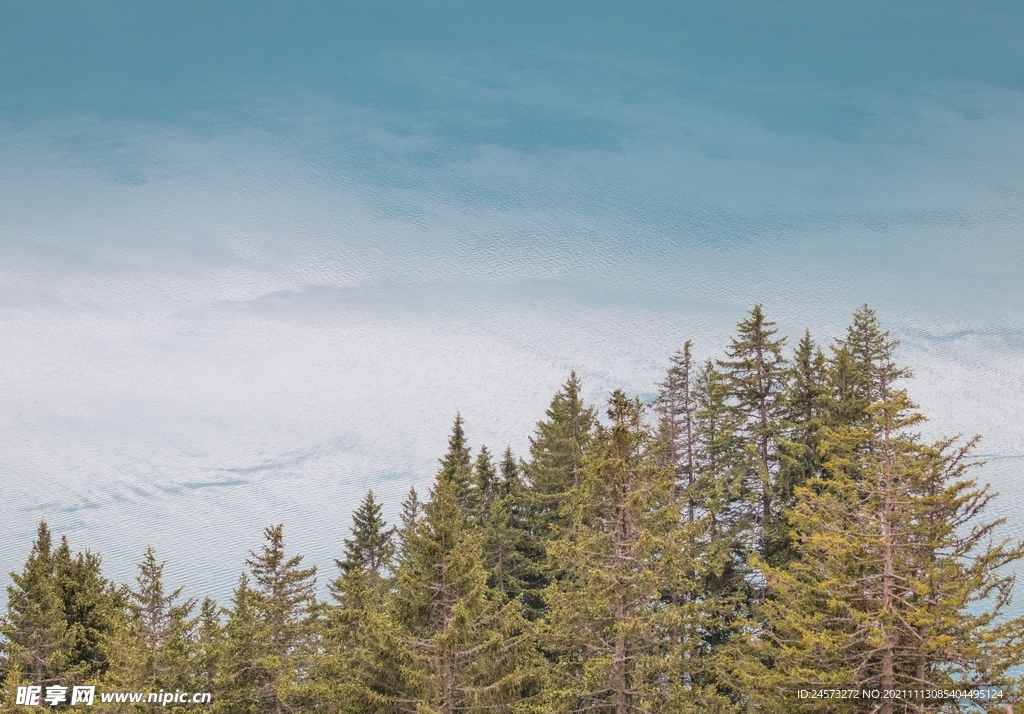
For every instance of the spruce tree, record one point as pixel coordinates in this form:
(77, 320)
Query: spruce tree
(897, 582)
(485, 481)
(352, 671)
(209, 643)
(872, 353)
(92, 608)
(37, 641)
(155, 649)
(806, 414)
(458, 646)
(624, 647)
(756, 372)
(676, 407)
(457, 464)
(556, 452)
(371, 546)
(270, 633)
(245, 681)
(722, 492)
(513, 554)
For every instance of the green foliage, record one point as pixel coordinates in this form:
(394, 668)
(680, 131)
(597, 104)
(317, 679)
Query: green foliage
(371, 546)
(892, 565)
(513, 554)
(154, 647)
(624, 646)
(556, 453)
(755, 372)
(271, 633)
(61, 615)
(457, 465)
(458, 645)
(38, 640)
(774, 524)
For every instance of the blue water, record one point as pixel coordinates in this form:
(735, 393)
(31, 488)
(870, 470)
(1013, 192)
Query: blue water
(255, 256)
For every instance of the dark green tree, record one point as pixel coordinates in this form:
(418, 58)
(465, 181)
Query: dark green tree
(676, 407)
(756, 372)
(61, 615)
(156, 648)
(512, 551)
(806, 416)
(485, 482)
(459, 646)
(37, 641)
(556, 452)
(872, 353)
(371, 546)
(352, 671)
(93, 609)
(624, 647)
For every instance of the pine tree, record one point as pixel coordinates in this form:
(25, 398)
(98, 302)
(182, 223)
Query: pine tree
(412, 509)
(270, 632)
(872, 354)
(756, 372)
(722, 491)
(459, 647)
(556, 452)
(624, 646)
(897, 583)
(245, 682)
(208, 645)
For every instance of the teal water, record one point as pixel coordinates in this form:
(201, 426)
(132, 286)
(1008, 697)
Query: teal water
(254, 256)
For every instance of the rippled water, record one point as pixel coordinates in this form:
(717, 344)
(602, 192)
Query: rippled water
(254, 257)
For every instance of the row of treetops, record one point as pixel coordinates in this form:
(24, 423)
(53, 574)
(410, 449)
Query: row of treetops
(771, 523)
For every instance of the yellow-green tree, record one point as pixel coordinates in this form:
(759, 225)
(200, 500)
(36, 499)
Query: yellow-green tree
(897, 583)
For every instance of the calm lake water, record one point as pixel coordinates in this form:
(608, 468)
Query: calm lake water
(255, 256)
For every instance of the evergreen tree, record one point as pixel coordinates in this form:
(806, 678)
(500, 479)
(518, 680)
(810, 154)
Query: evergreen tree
(92, 609)
(722, 491)
(352, 673)
(459, 647)
(457, 464)
(756, 372)
(209, 643)
(37, 641)
(556, 452)
(485, 482)
(155, 650)
(872, 353)
(245, 681)
(370, 548)
(412, 509)
(512, 552)
(806, 406)
(624, 647)
(897, 583)
(270, 632)
(676, 408)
